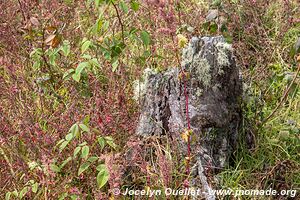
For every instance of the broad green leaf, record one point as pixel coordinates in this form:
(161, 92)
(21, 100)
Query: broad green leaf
(105, 25)
(71, 130)
(86, 56)
(66, 48)
(69, 137)
(92, 159)
(123, 7)
(213, 28)
(97, 3)
(63, 146)
(115, 65)
(63, 196)
(15, 193)
(107, 55)
(60, 141)
(34, 187)
(82, 144)
(76, 151)
(75, 130)
(68, 73)
(65, 162)
(145, 38)
(81, 66)
(76, 77)
(109, 138)
(134, 5)
(97, 26)
(32, 165)
(102, 176)
(54, 168)
(7, 196)
(110, 142)
(83, 167)
(94, 62)
(101, 142)
(85, 152)
(84, 128)
(36, 52)
(86, 120)
(23, 192)
(74, 197)
(85, 46)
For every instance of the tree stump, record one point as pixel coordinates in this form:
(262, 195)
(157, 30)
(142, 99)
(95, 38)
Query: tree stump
(214, 93)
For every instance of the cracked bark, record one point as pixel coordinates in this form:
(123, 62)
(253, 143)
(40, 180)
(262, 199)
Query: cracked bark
(214, 91)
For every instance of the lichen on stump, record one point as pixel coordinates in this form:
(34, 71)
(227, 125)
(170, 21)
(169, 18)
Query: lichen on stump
(214, 91)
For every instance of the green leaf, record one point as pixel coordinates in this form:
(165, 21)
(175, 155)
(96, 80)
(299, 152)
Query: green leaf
(101, 142)
(7, 195)
(86, 56)
(82, 144)
(85, 46)
(85, 152)
(76, 77)
(97, 3)
(110, 142)
(84, 128)
(74, 197)
(23, 192)
(145, 38)
(60, 141)
(83, 167)
(134, 5)
(123, 7)
(68, 73)
(75, 130)
(86, 120)
(105, 25)
(63, 196)
(81, 66)
(213, 28)
(69, 137)
(65, 162)
(94, 62)
(34, 187)
(108, 138)
(103, 175)
(15, 193)
(66, 48)
(54, 168)
(93, 159)
(63, 146)
(115, 66)
(76, 151)
(32, 165)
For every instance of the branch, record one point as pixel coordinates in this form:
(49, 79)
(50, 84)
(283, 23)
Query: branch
(120, 21)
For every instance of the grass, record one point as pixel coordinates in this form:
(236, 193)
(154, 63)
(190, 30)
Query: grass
(36, 113)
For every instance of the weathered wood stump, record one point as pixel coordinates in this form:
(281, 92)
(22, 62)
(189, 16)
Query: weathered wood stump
(214, 92)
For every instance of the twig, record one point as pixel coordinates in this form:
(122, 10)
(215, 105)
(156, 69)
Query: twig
(120, 21)
(8, 162)
(22, 11)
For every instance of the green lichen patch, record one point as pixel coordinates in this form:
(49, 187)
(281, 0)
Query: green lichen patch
(223, 50)
(202, 70)
(140, 86)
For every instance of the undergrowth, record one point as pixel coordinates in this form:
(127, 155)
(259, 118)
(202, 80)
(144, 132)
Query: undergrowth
(67, 112)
